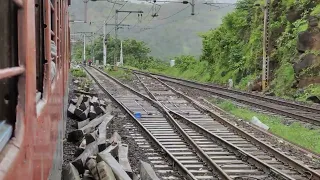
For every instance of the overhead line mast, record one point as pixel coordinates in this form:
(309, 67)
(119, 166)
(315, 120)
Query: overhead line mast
(116, 30)
(265, 63)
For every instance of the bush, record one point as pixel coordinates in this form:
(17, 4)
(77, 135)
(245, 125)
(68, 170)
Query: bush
(78, 73)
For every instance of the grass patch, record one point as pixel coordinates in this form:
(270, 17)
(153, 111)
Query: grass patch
(119, 73)
(78, 73)
(295, 133)
(316, 10)
(84, 83)
(313, 89)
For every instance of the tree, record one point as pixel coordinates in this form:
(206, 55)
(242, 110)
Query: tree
(136, 53)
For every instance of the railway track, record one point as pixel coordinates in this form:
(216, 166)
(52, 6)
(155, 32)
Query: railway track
(213, 152)
(157, 127)
(174, 102)
(306, 113)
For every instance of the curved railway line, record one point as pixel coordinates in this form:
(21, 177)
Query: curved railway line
(306, 113)
(195, 141)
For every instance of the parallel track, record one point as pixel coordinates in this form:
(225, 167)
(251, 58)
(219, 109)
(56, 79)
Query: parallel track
(309, 114)
(176, 103)
(213, 152)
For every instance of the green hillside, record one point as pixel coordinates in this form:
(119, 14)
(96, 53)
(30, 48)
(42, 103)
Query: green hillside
(169, 37)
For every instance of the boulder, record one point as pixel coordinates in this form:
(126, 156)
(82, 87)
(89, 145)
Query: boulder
(305, 61)
(308, 40)
(313, 22)
(314, 99)
(306, 81)
(293, 15)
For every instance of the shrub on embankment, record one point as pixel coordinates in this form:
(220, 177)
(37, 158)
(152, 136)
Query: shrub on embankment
(234, 49)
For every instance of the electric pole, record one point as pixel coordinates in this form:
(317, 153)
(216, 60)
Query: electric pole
(105, 40)
(265, 62)
(116, 32)
(116, 37)
(84, 47)
(104, 44)
(121, 55)
(84, 41)
(92, 52)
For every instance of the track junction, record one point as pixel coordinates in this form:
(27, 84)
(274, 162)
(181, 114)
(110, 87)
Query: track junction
(190, 141)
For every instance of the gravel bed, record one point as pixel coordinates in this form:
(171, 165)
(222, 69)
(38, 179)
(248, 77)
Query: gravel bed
(68, 147)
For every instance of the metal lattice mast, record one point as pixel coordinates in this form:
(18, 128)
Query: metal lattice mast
(265, 65)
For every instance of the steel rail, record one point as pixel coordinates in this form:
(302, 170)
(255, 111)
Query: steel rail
(245, 101)
(245, 156)
(236, 150)
(289, 143)
(313, 175)
(256, 96)
(297, 146)
(269, 134)
(185, 136)
(203, 154)
(175, 163)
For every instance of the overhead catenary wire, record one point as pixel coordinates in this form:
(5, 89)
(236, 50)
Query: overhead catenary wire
(111, 11)
(163, 24)
(143, 29)
(175, 13)
(110, 18)
(123, 19)
(143, 19)
(107, 18)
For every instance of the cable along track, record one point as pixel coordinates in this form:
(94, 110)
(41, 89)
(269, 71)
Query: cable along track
(309, 114)
(238, 147)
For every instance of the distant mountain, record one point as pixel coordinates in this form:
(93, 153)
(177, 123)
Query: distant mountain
(173, 32)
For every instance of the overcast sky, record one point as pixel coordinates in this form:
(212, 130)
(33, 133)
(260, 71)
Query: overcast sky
(215, 1)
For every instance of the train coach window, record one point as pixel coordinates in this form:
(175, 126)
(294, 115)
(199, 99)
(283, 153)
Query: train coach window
(9, 70)
(46, 44)
(40, 56)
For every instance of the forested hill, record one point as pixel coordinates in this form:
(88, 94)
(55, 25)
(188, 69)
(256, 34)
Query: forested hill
(172, 33)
